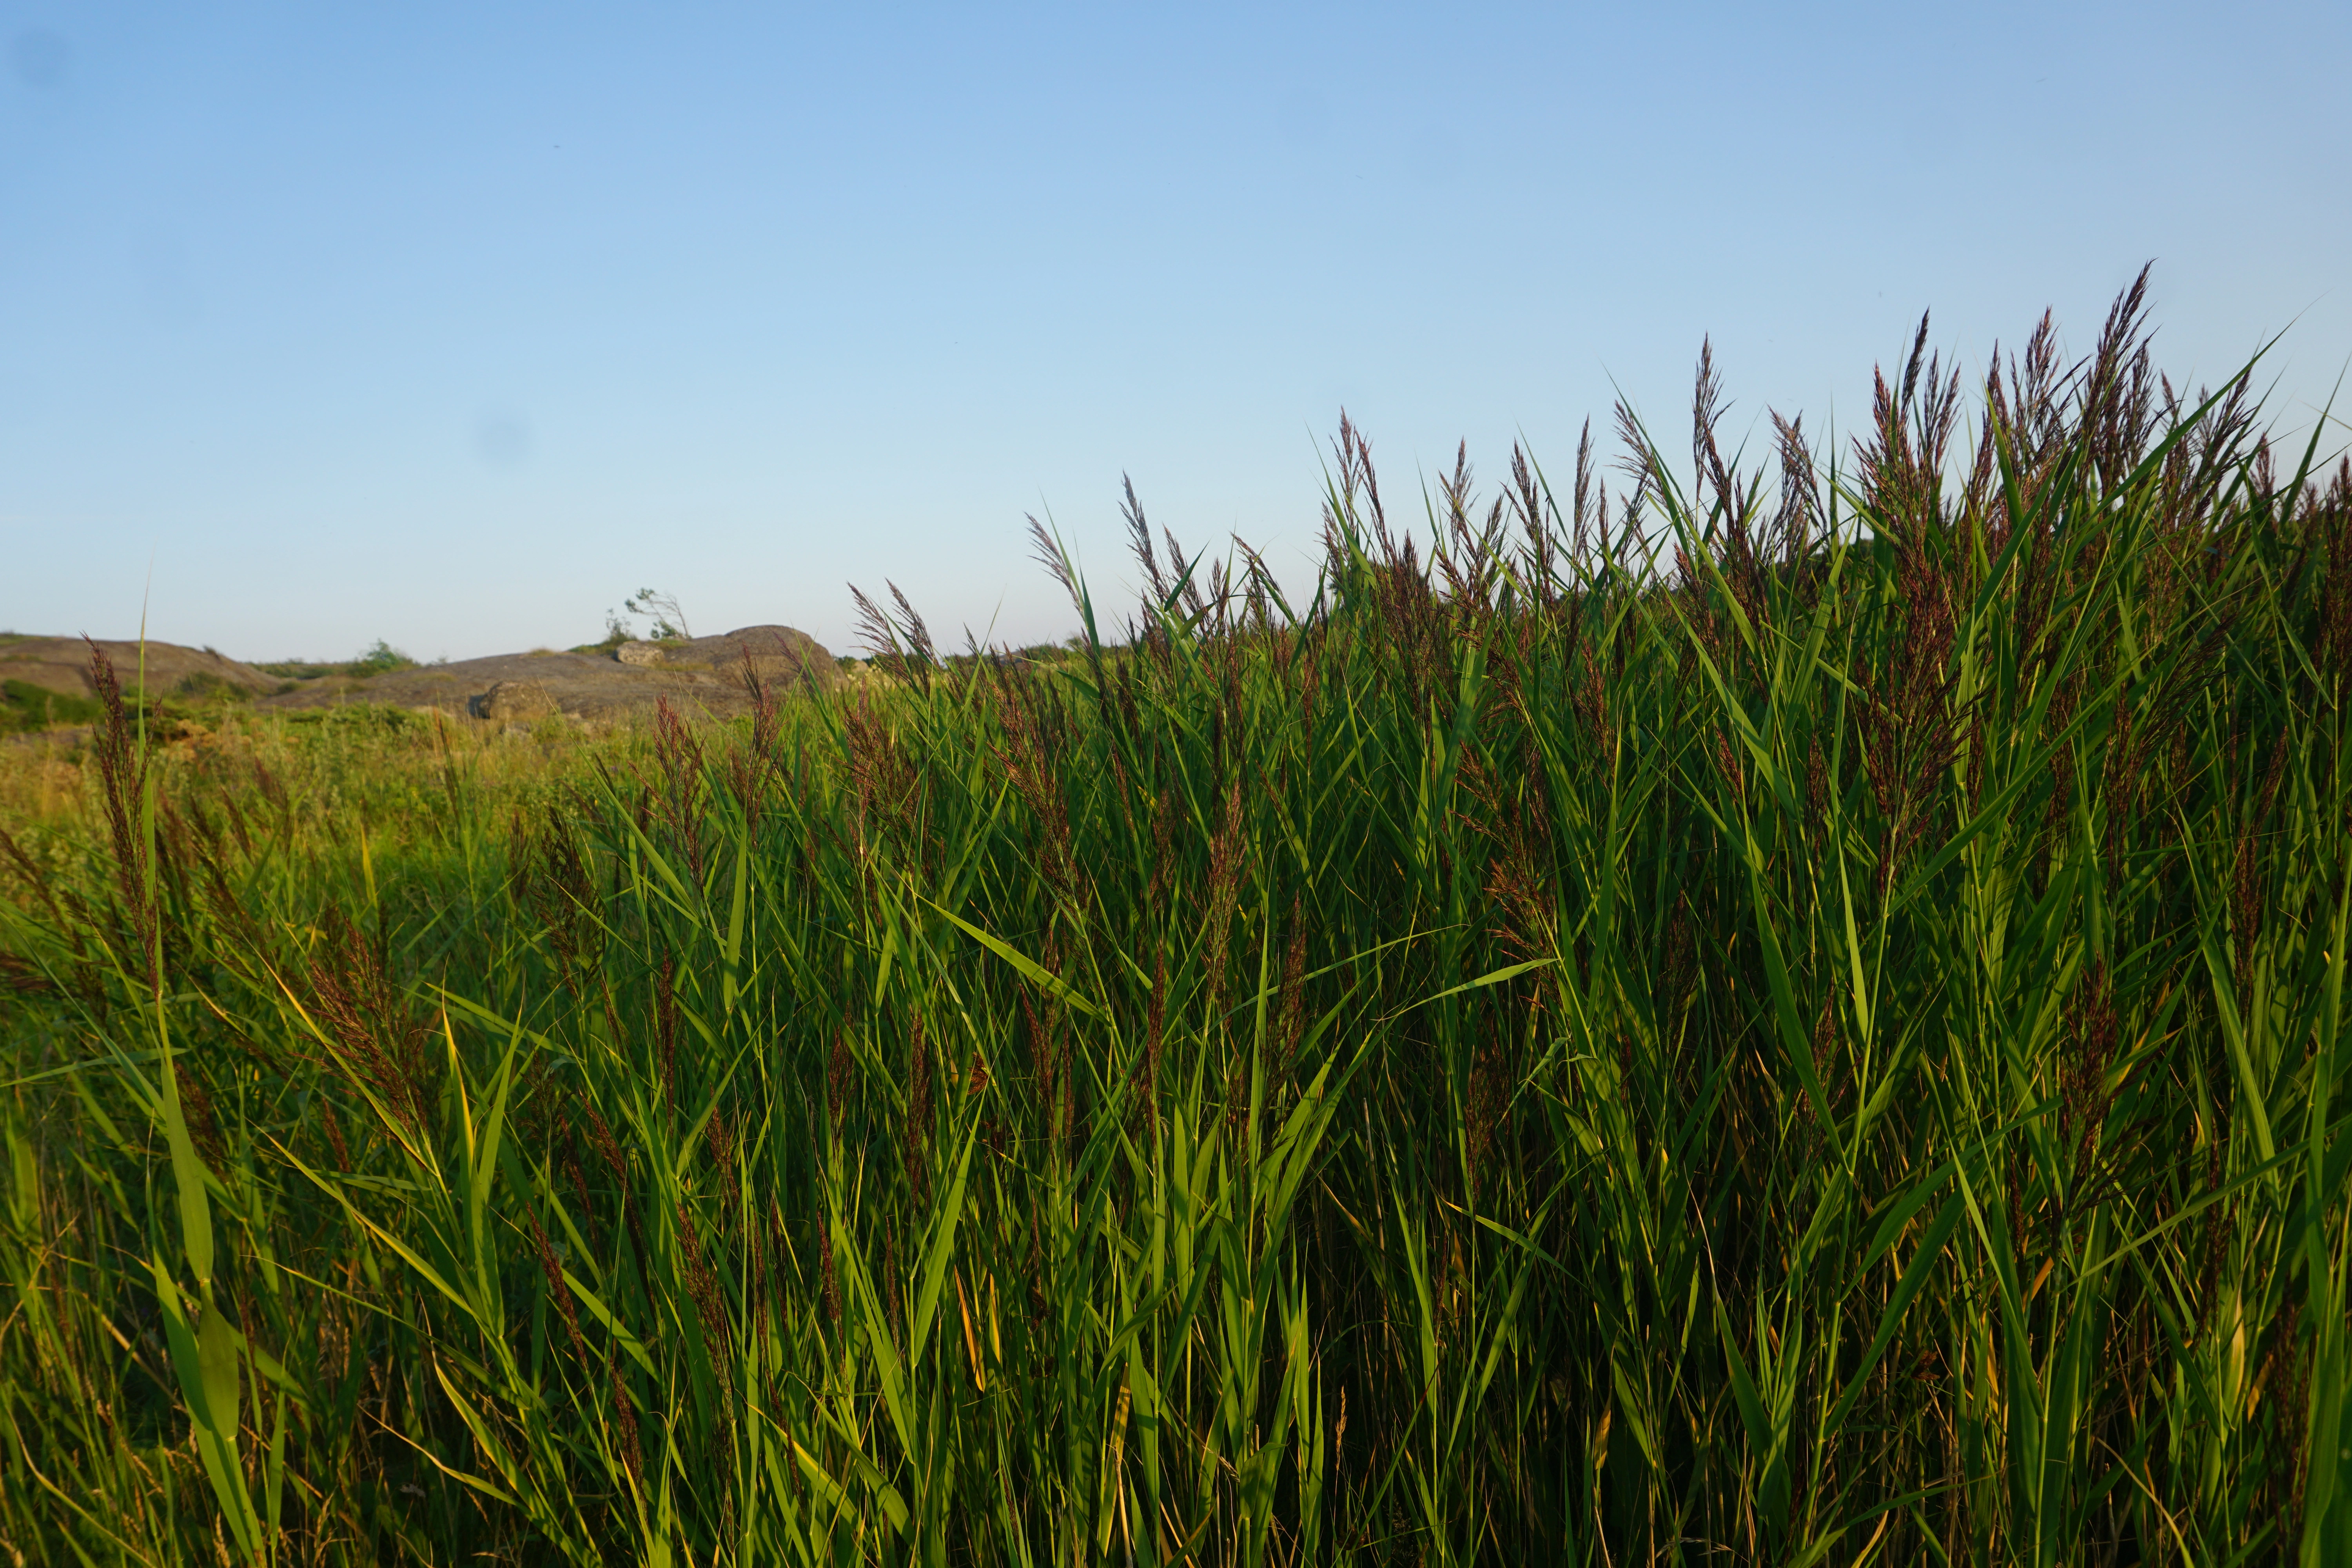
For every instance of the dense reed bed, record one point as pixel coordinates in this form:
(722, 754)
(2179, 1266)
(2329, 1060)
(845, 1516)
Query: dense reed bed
(1786, 1014)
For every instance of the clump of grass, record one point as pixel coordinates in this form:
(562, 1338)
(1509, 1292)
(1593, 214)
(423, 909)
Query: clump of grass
(26, 707)
(1791, 1015)
(202, 687)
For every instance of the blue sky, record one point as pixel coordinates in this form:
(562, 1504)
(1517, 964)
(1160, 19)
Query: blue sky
(451, 324)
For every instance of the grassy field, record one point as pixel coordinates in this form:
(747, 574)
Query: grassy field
(1789, 1013)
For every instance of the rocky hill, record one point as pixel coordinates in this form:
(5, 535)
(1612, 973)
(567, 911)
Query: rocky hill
(700, 676)
(61, 664)
(703, 675)
(45, 682)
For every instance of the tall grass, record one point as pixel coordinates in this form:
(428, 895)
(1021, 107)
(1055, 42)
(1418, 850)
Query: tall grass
(1788, 1015)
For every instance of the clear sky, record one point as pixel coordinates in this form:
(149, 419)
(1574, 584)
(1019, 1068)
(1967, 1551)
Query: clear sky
(452, 324)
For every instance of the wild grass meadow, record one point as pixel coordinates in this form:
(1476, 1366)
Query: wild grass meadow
(1693, 1007)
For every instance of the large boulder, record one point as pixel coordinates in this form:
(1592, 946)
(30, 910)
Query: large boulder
(515, 702)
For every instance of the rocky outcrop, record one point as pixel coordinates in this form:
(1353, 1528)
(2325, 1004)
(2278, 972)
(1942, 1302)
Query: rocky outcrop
(701, 676)
(62, 665)
(779, 656)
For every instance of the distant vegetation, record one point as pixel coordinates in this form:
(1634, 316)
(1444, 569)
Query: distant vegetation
(1788, 1016)
(379, 658)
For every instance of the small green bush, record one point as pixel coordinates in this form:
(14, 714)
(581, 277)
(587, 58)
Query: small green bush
(379, 658)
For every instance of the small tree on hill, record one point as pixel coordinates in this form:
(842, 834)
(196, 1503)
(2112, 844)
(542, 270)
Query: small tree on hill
(668, 619)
